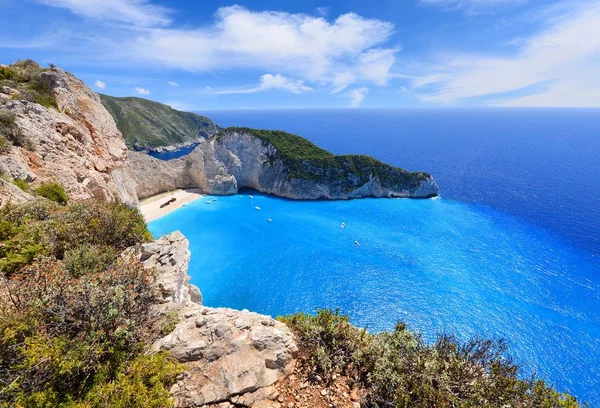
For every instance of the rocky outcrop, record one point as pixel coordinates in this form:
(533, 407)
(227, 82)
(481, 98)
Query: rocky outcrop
(236, 159)
(77, 144)
(232, 357)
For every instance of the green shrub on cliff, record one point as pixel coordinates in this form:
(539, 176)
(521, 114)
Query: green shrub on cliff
(398, 369)
(10, 133)
(53, 191)
(75, 315)
(43, 228)
(26, 77)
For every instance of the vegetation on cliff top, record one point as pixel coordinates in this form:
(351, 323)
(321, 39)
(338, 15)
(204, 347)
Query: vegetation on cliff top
(148, 124)
(26, 77)
(75, 315)
(398, 369)
(305, 160)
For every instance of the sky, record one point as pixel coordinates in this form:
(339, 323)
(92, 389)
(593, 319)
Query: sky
(265, 54)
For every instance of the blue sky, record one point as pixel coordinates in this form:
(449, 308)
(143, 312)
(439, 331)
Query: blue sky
(200, 55)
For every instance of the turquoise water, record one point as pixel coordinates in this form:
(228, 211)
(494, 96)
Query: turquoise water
(440, 265)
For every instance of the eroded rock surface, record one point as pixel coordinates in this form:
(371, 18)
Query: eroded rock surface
(232, 357)
(77, 145)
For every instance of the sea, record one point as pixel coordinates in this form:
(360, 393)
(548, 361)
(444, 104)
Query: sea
(510, 250)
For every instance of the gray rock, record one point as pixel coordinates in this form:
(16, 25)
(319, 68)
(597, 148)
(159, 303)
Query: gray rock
(229, 354)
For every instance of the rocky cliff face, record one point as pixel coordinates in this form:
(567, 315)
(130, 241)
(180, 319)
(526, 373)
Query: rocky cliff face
(76, 144)
(235, 159)
(232, 357)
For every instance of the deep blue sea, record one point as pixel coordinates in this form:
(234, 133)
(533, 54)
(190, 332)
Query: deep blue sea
(512, 249)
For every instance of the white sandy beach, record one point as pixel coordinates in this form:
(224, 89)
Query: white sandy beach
(150, 207)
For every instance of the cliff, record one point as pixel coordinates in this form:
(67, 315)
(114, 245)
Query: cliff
(148, 125)
(56, 129)
(276, 163)
(231, 357)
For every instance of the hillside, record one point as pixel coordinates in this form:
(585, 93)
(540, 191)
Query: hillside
(148, 125)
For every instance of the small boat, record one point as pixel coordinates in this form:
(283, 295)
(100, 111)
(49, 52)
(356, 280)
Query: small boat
(257, 208)
(356, 243)
(251, 196)
(208, 202)
(270, 220)
(343, 225)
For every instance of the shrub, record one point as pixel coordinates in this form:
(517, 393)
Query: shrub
(81, 230)
(397, 369)
(53, 191)
(88, 259)
(22, 184)
(10, 131)
(27, 77)
(66, 339)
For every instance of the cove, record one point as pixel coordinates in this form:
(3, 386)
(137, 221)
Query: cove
(439, 265)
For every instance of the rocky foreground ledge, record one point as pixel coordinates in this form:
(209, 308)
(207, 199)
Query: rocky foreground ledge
(232, 357)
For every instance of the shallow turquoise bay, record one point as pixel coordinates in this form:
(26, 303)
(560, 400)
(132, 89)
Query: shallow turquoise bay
(440, 265)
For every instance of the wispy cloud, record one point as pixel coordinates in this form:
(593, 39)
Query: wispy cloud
(172, 83)
(179, 105)
(137, 12)
(268, 82)
(357, 96)
(100, 84)
(472, 6)
(142, 91)
(564, 57)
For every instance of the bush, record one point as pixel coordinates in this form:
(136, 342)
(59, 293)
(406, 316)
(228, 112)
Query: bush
(53, 191)
(397, 369)
(10, 131)
(88, 259)
(78, 232)
(66, 339)
(27, 77)
(22, 184)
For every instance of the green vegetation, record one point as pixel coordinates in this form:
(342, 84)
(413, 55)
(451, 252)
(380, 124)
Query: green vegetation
(75, 315)
(22, 184)
(148, 124)
(27, 78)
(10, 133)
(307, 161)
(52, 191)
(397, 369)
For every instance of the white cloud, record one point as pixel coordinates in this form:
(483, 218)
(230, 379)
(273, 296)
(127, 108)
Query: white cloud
(307, 47)
(357, 96)
(556, 67)
(172, 83)
(137, 12)
(99, 84)
(142, 91)
(268, 82)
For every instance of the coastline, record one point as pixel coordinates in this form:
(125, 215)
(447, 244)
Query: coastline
(150, 207)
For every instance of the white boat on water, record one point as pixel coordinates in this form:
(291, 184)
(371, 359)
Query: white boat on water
(343, 225)
(257, 208)
(270, 220)
(356, 243)
(251, 196)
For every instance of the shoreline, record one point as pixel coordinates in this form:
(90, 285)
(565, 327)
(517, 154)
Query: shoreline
(150, 206)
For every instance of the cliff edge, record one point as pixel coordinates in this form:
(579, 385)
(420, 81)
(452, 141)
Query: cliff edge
(54, 128)
(277, 163)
